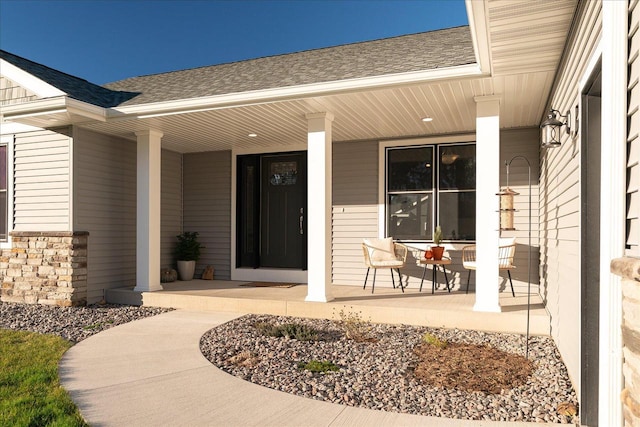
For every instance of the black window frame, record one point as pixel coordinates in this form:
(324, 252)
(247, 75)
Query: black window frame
(435, 191)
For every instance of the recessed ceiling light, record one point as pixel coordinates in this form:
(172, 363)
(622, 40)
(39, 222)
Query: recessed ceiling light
(427, 119)
(253, 135)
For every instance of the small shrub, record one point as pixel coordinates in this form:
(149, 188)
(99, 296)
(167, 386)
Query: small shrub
(267, 329)
(319, 366)
(354, 327)
(288, 330)
(188, 247)
(434, 341)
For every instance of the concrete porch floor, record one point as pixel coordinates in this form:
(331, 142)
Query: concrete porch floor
(386, 305)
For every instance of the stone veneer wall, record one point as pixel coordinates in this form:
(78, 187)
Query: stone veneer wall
(629, 270)
(45, 268)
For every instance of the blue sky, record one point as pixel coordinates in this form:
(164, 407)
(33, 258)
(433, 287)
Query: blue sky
(108, 40)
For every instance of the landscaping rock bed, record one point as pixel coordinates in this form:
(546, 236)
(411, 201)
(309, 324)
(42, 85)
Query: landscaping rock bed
(379, 370)
(71, 323)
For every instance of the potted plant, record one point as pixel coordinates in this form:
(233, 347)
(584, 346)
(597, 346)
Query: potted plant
(187, 253)
(437, 250)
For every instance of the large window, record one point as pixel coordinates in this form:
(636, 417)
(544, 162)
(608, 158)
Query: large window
(431, 185)
(3, 194)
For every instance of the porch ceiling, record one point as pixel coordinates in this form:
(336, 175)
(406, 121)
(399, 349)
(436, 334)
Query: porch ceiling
(364, 115)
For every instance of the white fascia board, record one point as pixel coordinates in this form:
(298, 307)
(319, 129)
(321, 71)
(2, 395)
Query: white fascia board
(477, 16)
(86, 110)
(288, 93)
(28, 81)
(51, 106)
(13, 112)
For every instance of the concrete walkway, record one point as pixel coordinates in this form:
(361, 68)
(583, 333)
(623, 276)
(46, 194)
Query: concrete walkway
(151, 373)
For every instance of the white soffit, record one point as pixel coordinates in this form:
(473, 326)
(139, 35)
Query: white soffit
(527, 36)
(365, 115)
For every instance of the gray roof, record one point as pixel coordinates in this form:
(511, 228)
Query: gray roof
(415, 52)
(75, 87)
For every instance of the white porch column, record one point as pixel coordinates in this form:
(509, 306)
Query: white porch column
(148, 212)
(487, 185)
(612, 207)
(319, 178)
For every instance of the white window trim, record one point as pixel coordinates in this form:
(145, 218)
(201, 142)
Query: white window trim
(382, 174)
(8, 141)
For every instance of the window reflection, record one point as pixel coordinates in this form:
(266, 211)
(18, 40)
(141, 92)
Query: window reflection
(410, 216)
(410, 169)
(457, 167)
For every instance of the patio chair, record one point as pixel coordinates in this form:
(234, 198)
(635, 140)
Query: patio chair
(506, 253)
(384, 253)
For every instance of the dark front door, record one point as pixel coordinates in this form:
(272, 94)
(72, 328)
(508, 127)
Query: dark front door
(283, 237)
(272, 203)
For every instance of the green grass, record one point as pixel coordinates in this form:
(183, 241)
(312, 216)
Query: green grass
(30, 392)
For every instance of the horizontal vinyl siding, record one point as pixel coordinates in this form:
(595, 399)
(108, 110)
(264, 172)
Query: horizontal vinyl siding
(355, 208)
(633, 141)
(42, 181)
(171, 217)
(105, 206)
(207, 207)
(560, 199)
(526, 143)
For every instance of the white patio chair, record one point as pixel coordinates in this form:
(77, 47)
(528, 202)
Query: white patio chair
(506, 253)
(384, 253)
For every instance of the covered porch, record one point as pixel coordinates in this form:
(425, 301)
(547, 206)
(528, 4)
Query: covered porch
(387, 305)
(182, 150)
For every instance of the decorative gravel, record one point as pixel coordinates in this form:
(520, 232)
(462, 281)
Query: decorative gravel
(379, 375)
(71, 323)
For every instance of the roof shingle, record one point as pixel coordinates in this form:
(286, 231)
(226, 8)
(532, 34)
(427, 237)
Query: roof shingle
(75, 87)
(415, 52)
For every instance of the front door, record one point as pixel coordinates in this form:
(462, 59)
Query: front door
(272, 203)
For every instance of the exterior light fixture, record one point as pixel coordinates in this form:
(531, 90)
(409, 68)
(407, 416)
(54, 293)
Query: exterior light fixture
(427, 119)
(252, 135)
(550, 128)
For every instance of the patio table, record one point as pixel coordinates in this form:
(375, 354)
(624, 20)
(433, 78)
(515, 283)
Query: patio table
(435, 263)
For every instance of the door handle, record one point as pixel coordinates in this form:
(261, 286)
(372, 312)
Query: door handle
(301, 220)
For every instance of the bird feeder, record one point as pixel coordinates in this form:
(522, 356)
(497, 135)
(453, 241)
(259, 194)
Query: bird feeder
(506, 208)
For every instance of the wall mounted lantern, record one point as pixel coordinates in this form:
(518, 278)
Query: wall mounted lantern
(550, 128)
